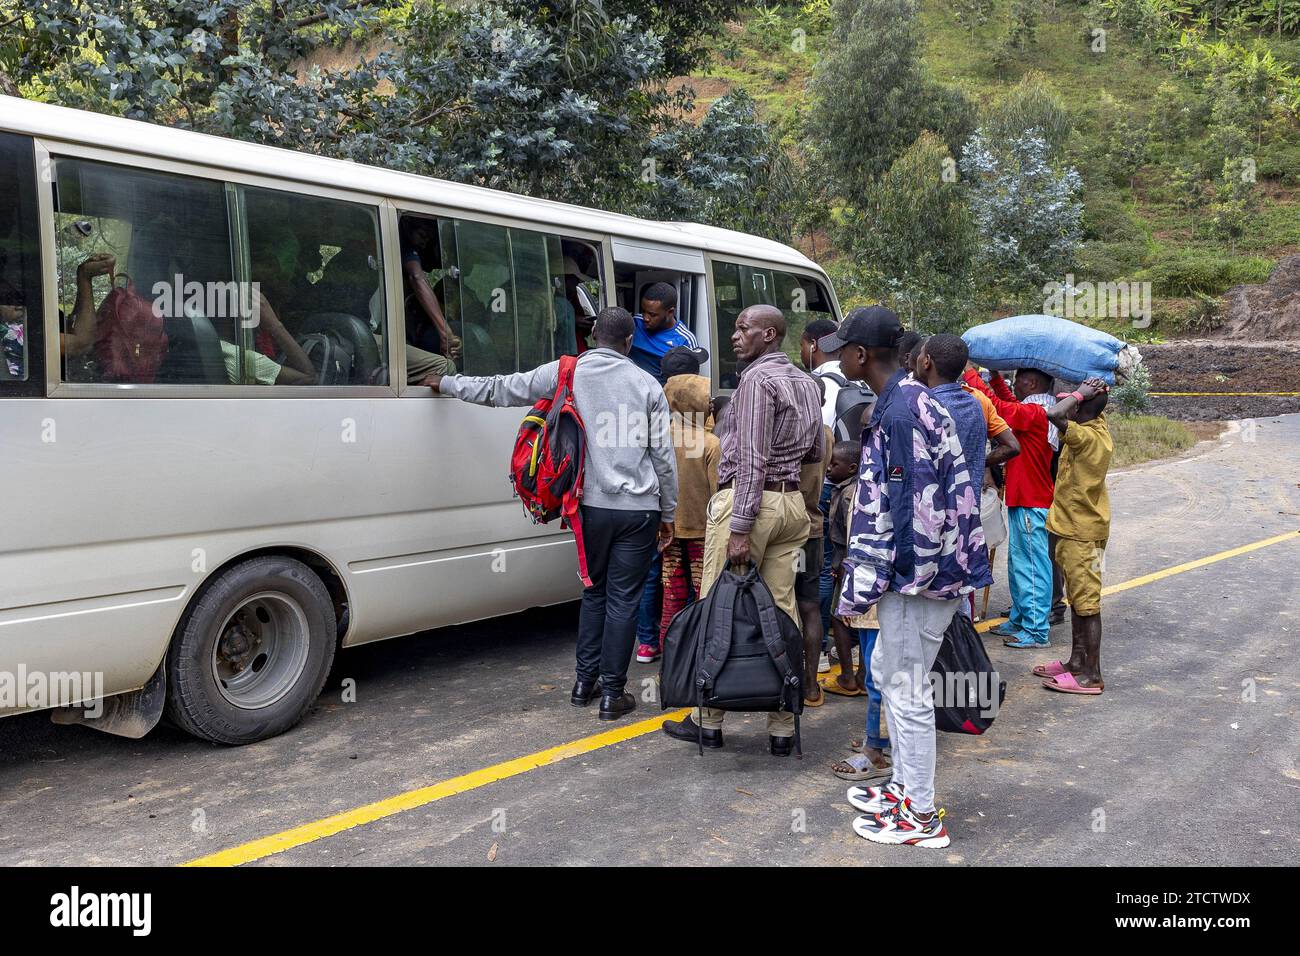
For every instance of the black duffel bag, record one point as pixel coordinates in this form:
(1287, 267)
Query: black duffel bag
(968, 690)
(734, 649)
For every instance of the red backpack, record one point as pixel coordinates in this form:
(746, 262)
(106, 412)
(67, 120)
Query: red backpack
(130, 341)
(547, 464)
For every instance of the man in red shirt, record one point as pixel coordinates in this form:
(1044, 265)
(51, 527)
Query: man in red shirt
(1029, 491)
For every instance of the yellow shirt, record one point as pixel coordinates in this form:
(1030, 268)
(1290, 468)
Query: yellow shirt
(1081, 507)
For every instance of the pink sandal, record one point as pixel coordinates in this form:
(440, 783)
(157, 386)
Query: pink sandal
(1066, 684)
(1054, 669)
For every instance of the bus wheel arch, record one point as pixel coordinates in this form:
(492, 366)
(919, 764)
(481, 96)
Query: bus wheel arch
(254, 646)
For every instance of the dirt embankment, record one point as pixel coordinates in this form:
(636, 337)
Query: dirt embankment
(1220, 367)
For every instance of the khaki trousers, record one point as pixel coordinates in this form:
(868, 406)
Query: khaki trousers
(775, 546)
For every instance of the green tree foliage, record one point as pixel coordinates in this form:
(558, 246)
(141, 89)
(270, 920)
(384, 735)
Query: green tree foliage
(1027, 214)
(872, 96)
(572, 105)
(1236, 201)
(1030, 104)
(729, 171)
(685, 27)
(914, 234)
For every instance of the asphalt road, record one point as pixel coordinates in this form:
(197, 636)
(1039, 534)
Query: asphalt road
(1192, 756)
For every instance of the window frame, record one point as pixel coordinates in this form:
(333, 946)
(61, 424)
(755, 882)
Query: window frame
(50, 150)
(712, 299)
(402, 206)
(34, 386)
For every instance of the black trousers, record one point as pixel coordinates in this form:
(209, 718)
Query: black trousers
(620, 546)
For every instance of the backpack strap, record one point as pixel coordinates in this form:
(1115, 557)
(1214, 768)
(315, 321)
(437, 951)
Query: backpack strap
(567, 364)
(770, 626)
(570, 510)
(835, 377)
(722, 609)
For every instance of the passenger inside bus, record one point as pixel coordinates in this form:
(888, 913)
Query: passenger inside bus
(78, 336)
(432, 347)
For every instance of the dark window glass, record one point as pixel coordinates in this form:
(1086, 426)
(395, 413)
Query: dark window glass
(21, 356)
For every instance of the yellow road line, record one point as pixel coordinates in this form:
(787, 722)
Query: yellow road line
(1219, 394)
(1200, 563)
(349, 819)
(310, 832)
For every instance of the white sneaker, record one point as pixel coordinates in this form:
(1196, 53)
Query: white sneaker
(872, 800)
(900, 826)
(823, 664)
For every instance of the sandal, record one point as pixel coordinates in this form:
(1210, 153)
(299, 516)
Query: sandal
(859, 767)
(820, 699)
(831, 685)
(1066, 684)
(1054, 669)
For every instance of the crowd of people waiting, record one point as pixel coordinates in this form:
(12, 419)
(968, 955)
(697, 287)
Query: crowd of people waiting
(871, 543)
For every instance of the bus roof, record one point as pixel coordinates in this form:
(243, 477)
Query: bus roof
(148, 139)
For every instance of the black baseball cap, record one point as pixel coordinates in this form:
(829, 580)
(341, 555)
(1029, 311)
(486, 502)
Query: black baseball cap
(872, 326)
(682, 360)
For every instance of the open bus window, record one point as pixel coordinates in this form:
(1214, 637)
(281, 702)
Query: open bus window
(513, 299)
(20, 309)
(800, 298)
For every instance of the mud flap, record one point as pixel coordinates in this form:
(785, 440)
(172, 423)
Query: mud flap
(126, 715)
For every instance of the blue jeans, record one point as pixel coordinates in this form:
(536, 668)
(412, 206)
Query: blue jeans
(867, 642)
(652, 597)
(1031, 571)
(826, 582)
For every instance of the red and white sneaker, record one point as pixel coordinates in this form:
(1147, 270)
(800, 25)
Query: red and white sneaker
(648, 653)
(900, 825)
(873, 800)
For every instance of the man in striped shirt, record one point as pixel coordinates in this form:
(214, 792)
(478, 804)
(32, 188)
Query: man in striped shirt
(758, 514)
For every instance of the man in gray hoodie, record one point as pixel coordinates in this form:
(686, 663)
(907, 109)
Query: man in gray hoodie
(629, 491)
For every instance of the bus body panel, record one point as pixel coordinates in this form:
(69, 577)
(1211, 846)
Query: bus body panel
(393, 493)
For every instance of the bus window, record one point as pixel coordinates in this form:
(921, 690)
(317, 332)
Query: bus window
(163, 241)
(736, 287)
(316, 270)
(20, 304)
(515, 298)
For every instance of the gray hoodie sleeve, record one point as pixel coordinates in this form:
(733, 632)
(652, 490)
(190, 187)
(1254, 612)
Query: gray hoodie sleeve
(504, 391)
(663, 456)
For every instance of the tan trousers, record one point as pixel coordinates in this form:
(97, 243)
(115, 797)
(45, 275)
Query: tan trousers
(775, 546)
(420, 363)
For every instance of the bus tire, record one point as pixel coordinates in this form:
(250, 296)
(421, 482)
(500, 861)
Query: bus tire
(252, 654)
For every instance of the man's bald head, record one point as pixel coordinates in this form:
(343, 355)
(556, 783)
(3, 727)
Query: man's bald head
(759, 329)
(769, 317)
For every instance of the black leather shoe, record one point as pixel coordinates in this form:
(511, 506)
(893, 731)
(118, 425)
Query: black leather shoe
(781, 746)
(614, 706)
(1057, 616)
(584, 692)
(687, 730)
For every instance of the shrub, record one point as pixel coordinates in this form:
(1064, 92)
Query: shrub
(1110, 261)
(1133, 396)
(1187, 275)
(1107, 217)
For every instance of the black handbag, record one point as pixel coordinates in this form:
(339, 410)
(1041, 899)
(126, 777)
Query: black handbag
(734, 649)
(968, 690)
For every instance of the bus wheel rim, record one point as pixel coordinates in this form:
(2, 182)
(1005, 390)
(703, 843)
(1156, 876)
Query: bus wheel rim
(261, 650)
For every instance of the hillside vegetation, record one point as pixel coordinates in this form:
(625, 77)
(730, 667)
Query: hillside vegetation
(1147, 137)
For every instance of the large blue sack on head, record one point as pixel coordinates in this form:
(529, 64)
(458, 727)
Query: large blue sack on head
(1064, 349)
